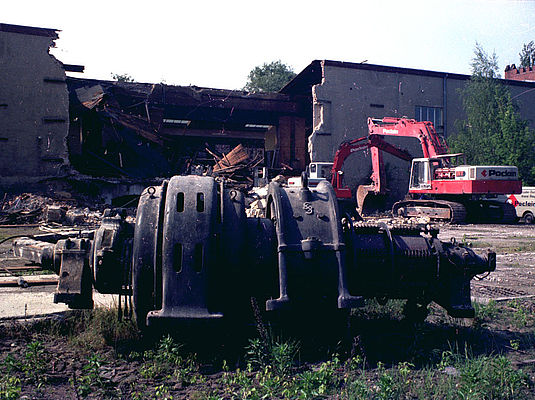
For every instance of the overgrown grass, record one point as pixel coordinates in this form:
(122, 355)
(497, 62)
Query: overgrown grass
(272, 367)
(95, 329)
(393, 309)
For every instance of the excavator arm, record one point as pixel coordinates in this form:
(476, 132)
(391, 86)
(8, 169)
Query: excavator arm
(432, 144)
(376, 144)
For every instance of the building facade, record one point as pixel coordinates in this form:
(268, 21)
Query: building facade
(34, 106)
(341, 97)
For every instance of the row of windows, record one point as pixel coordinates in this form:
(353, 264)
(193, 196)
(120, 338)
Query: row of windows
(424, 113)
(432, 114)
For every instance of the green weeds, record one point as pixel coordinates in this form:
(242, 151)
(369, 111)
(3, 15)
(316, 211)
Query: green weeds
(10, 387)
(272, 368)
(277, 355)
(169, 362)
(521, 314)
(89, 378)
(486, 312)
(33, 364)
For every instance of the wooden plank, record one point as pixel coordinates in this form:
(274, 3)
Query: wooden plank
(22, 268)
(237, 155)
(13, 282)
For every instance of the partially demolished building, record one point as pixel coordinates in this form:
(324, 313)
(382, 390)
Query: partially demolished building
(343, 95)
(146, 130)
(54, 126)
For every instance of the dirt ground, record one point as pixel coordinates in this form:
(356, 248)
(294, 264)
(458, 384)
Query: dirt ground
(81, 355)
(515, 258)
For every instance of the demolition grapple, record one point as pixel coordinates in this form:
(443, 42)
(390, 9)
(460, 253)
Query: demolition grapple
(192, 254)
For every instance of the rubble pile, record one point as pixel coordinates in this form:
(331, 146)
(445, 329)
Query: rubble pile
(236, 166)
(28, 208)
(389, 220)
(255, 201)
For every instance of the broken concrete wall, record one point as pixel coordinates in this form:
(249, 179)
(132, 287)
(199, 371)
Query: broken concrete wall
(33, 106)
(345, 99)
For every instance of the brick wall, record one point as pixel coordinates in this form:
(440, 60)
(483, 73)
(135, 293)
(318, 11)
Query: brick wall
(520, 74)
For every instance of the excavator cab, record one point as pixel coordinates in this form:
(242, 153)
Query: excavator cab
(441, 167)
(420, 174)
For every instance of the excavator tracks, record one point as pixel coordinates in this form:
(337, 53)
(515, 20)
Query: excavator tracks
(438, 210)
(457, 213)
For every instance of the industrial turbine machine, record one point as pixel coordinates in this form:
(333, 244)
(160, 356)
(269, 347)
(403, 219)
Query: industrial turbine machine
(192, 255)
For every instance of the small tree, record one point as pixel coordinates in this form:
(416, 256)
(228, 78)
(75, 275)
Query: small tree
(269, 77)
(484, 65)
(493, 131)
(527, 55)
(122, 77)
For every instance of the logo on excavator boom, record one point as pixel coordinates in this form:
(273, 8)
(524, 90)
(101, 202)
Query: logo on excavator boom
(385, 131)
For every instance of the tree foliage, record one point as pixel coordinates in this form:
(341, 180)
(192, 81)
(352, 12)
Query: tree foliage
(122, 77)
(484, 65)
(527, 55)
(493, 132)
(269, 77)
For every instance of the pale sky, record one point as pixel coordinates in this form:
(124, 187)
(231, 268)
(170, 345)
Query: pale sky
(216, 43)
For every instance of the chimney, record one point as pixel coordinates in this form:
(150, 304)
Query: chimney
(520, 74)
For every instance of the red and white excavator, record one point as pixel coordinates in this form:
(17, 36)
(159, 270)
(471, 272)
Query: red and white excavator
(440, 186)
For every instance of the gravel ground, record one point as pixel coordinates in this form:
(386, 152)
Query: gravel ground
(515, 262)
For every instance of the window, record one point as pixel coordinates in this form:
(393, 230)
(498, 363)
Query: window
(432, 114)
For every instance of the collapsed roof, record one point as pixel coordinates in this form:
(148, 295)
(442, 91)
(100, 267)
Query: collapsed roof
(122, 123)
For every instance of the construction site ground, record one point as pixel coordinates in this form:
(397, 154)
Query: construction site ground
(79, 355)
(515, 249)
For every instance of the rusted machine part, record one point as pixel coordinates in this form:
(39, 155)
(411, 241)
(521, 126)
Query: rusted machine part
(75, 283)
(37, 251)
(41, 249)
(411, 263)
(195, 254)
(437, 210)
(196, 257)
(111, 253)
(311, 248)
(190, 226)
